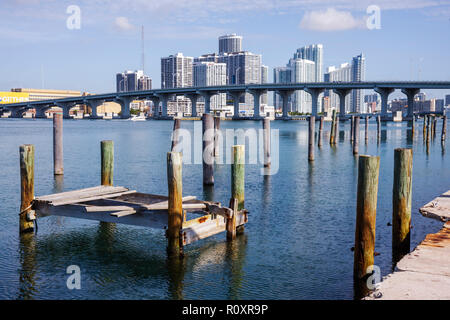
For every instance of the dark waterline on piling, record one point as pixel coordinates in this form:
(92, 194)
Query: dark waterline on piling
(295, 246)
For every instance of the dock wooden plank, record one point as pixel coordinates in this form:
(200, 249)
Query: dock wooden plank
(86, 199)
(438, 208)
(82, 193)
(422, 274)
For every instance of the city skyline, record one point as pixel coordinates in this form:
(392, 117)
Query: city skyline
(106, 44)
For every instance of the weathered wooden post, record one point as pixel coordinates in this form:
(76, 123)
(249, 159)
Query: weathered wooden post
(175, 209)
(319, 138)
(434, 126)
(413, 125)
(26, 153)
(444, 128)
(366, 209)
(266, 143)
(401, 202)
(333, 128)
(58, 160)
(428, 128)
(175, 134)
(378, 127)
(312, 120)
(366, 137)
(107, 158)
(238, 175)
(352, 125)
(356, 136)
(208, 149)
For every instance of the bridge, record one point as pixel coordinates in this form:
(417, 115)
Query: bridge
(285, 90)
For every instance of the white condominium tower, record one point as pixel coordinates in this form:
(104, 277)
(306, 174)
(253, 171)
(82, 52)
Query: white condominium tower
(176, 71)
(211, 74)
(230, 43)
(314, 53)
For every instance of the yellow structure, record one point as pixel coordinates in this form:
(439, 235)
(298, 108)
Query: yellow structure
(13, 97)
(47, 94)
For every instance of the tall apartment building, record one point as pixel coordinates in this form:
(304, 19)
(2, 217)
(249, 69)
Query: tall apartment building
(280, 75)
(264, 79)
(230, 43)
(176, 71)
(132, 81)
(303, 70)
(342, 73)
(211, 74)
(314, 53)
(358, 75)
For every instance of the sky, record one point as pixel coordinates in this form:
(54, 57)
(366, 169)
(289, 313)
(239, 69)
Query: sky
(81, 45)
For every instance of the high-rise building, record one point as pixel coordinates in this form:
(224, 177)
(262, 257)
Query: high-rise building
(264, 79)
(334, 74)
(314, 53)
(230, 43)
(132, 81)
(280, 75)
(176, 71)
(303, 70)
(243, 68)
(447, 100)
(358, 75)
(211, 74)
(209, 57)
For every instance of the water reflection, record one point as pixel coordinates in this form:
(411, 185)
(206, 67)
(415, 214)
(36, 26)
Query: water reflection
(27, 272)
(208, 192)
(58, 183)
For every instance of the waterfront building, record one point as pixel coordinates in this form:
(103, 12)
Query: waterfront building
(132, 81)
(264, 79)
(358, 75)
(280, 75)
(447, 100)
(343, 73)
(230, 43)
(313, 52)
(211, 74)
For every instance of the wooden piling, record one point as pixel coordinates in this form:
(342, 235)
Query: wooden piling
(434, 126)
(352, 125)
(401, 202)
(356, 136)
(175, 134)
(58, 162)
(175, 207)
(312, 120)
(231, 221)
(366, 136)
(333, 128)
(107, 158)
(319, 138)
(413, 125)
(216, 138)
(26, 153)
(424, 126)
(366, 209)
(378, 127)
(428, 128)
(208, 149)
(266, 143)
(444, 128)
(238, 175)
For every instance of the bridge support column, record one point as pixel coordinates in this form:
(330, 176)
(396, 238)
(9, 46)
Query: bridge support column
(207, 96)
(93, 104)
(155, 101)
(16, 113)
(285, 94)
(410, 93)
(342, 93)
(65, 109)
(257, 103)
(164, 98)
(384, 93)
(236, 97)
(193, 97)
(314, 92)
(125, 106)
(40, 112)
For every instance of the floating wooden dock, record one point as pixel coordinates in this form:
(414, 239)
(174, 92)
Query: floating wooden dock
(121, 205)
(425, 272)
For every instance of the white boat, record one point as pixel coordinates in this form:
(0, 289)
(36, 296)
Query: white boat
(140, 117)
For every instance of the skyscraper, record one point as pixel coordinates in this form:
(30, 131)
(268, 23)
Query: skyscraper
(230, 43)
(314, 53)
(303, 70)
(358, 75)
(176, 71)
(211, 74)
(264, 79)
(132, 81)
(334, 74)
(280, 75)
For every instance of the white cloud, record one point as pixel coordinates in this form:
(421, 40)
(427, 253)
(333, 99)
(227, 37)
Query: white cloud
(122, 23)
(330, 20)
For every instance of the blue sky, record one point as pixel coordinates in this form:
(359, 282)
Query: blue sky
(37, 48)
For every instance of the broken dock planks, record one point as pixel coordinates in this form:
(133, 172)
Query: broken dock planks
(121, 205)
(438, 208)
